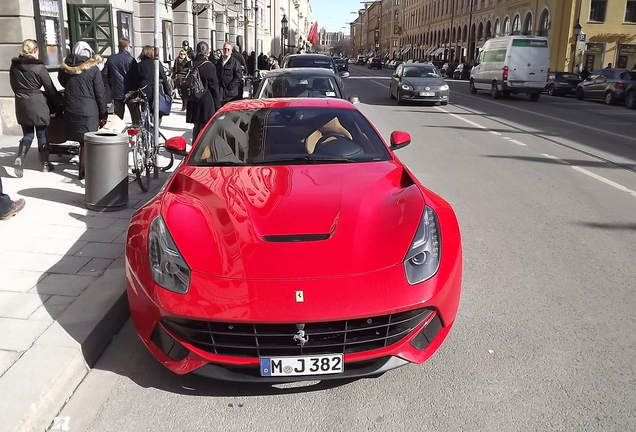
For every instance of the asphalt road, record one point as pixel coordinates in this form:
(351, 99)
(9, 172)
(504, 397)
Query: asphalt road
(545, 339)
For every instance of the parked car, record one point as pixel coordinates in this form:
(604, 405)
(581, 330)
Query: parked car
(418, 82)
(562, 83)
(438, 64)
(361, 60)
(341, 64)
(226, 268)
(607, 84)
(375, 62)
(301, 82)
(462, 71)
(511, 65)
(448, 69)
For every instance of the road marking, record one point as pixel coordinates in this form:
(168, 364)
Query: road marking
(517, 142)
(495, 133)
(461, 118)
(592, 175)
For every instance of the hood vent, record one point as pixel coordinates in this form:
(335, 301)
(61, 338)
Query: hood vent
(295, 238)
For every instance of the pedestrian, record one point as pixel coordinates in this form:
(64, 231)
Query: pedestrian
(585, 73)
(121, 74)
(262, 62)
(230, 75)
(609, 66)
(146, 71)
(179, 70)
(27, 74)
(251, 63)
(634, 68)
(8, 207)
(200, 111)
(84, 100)
(576, 70)
(273, 63)
(185, 45)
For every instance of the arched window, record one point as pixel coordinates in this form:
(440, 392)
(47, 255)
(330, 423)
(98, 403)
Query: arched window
(544, 23)
(465, 34)
(454, 34)
(527, 24)
(497, 31)
(516, 25)
(480, 31)
(488, 30)
(506, 26)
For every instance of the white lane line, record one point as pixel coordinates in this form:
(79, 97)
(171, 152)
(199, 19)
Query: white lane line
(495, 133)
(517, 142)
(472, 123)
(507, 138)
(630, 138)
(592, 175)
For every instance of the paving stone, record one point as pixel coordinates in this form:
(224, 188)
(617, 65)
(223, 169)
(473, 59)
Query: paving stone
(52, 308)
(95, 267)
(69, 265)
(19, 334)
(47, 246)
(41, 262)
(64, 285)
(19, 305)
(7, 358)
(41, 231)
(100, 235)
(20, 280)
(101, 250)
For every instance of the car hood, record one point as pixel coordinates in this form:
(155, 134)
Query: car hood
(292, 222)
(414, 81)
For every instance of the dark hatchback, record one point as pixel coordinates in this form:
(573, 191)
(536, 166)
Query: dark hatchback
(562, 83)
(607, 84)
(341, 64)
(375, 62)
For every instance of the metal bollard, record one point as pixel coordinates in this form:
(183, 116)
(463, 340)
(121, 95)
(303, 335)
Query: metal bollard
(106, 164)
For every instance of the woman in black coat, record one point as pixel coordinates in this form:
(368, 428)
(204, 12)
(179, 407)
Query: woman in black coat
(84, 100)
(146, 72)
(201, 111)
(27, 75)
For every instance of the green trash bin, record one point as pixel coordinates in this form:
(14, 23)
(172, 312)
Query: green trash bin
(106, 165)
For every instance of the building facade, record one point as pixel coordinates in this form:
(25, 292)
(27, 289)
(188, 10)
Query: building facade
(254, 25)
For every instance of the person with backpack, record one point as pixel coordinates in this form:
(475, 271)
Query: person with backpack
(201, 104)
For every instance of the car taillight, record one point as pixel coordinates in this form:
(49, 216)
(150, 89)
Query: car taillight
(620, 85)
(505, 73)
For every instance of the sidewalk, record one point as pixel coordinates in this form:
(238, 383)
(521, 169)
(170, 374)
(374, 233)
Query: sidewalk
(62, 290)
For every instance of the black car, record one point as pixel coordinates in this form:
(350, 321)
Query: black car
(630, 96)
(361, 60)
(562, 83)
(341, 64)
(375, 62)
(309, 60)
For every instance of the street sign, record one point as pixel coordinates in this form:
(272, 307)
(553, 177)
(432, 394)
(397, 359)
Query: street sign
(582, 37)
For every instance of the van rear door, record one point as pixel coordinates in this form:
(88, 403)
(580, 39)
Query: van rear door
(528, 62)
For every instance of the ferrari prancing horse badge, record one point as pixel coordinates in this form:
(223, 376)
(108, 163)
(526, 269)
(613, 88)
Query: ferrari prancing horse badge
(299, 297)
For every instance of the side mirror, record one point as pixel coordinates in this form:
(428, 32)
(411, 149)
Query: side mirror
(344, 74)
(354, 99)
(177, 145)
(399, 139)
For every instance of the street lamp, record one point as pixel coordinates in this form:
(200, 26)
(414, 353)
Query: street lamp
(284, 29)
(576, 30)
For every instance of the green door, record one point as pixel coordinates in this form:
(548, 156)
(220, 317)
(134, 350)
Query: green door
(94, 25)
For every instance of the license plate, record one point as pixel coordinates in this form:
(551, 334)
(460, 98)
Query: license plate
(306, 365)
(427, 93)
(517, 84)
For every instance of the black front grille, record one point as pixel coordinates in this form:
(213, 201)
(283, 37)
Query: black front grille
(272, 340)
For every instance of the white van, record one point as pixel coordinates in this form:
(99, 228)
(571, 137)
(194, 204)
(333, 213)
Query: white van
(512, 64)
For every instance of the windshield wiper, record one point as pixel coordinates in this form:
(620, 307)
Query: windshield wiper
(220, 163)
(303, 159)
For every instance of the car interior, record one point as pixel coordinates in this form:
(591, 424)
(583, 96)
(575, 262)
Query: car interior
(289, 135)
(299, 87)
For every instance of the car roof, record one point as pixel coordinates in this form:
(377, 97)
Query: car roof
(244, 104)
(308, 56)
(418, 64)
(300, 71)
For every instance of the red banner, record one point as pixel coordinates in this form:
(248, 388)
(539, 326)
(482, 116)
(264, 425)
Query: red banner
(312, 38)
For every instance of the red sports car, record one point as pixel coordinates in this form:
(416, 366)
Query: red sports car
(292, 244)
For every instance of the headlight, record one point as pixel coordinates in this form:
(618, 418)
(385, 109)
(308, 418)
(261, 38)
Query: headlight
(406, 87)
(168, 268)
(444, 87)
(422, 259)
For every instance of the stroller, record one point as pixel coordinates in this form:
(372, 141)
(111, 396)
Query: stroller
(55, 133)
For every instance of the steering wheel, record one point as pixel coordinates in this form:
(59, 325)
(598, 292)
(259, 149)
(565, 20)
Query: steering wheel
(326, 136)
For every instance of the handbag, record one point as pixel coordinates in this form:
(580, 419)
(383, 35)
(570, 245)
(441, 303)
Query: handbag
(165, 102)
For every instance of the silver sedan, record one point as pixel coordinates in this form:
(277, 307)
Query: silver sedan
(418, 82)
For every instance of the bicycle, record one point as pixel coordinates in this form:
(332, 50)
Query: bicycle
(147, 156)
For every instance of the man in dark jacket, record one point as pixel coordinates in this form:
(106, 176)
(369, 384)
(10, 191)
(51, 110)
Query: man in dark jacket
(185, 45)
(121, 72)
(84, 102)
(262, 62)
(230, 75)
(201, 111)
(242, 59)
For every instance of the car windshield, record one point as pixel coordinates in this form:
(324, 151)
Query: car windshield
(288, 136)
(309, 62)
(290, 86)
(421, 72)
(568, 76)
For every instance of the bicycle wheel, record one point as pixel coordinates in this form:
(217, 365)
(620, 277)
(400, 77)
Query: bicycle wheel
(142, 165)
(165, 159)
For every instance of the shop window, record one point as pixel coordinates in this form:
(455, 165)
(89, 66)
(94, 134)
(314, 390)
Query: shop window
(597, 10)
(49, 27)
(630, 11)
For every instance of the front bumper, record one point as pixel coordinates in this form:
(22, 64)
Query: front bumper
(257, 302)
(418, 95)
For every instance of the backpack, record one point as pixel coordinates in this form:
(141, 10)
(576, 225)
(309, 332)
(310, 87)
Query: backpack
(190, 87)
